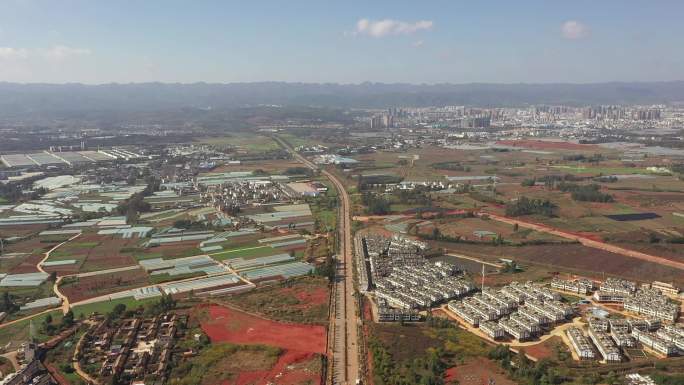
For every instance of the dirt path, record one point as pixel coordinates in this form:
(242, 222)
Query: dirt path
(12, 358)
(587, 241)
(55, 287)
(497, 265)
(77, 364)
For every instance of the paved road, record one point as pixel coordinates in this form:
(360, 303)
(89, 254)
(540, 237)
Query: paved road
(345, 347)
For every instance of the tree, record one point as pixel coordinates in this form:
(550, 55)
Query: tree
(527, 206)
(68, 319)
(7, 304)
(117, 311)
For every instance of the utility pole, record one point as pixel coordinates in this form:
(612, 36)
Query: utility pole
(483, 276)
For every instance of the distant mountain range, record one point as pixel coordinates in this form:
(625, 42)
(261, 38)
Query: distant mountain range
(49, 99)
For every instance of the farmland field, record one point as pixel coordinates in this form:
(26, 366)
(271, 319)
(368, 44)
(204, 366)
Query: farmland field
(80, 288)
(574, 258)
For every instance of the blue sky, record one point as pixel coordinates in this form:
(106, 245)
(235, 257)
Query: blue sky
(429, 41)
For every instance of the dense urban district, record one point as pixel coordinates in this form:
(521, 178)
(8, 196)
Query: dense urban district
(439, 245)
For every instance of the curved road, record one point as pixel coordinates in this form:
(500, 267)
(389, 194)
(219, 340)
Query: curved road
(345, 336)
(55, 287)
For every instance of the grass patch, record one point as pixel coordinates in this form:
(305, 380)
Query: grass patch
(107, 306)
(221, 362)
(166, 277)
(301, 300)
(15, 334)
(248, 252)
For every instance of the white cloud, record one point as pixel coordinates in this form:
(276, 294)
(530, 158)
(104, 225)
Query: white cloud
(418, 43)
(573, 29)
(13, 53)
(61, 52)
(54, 53)
(388, 27)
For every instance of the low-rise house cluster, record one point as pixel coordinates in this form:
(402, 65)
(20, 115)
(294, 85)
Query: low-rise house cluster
(609, 335)
(652, 303)
(648, 300)
(654, 342)
(616, 285)
(136, 349)
(619, 331)
(605, 344)
(385, 253)
(33, 373)
(411, 287)
(402, 277)
(520, 309)
(673, 334)
(665, 288)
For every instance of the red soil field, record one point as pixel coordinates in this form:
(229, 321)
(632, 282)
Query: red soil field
(228, 325)
(27, 265)
(301, 343)
(547, 145)
(477, 372)
(34, 250)
(308, 297)
(22, 230)
(544, 349)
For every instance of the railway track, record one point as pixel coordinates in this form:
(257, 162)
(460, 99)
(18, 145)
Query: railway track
(345, 347)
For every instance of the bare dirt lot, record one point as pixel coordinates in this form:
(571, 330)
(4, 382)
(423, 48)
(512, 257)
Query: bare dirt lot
(303, 300)
(302, 344)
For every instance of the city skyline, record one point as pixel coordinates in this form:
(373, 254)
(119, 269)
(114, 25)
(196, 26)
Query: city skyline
(96, 42)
